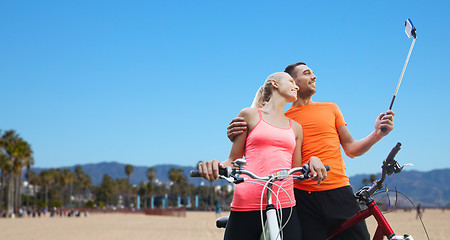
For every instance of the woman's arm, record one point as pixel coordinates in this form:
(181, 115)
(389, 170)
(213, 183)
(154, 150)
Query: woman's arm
(210, 170)
(297, 157)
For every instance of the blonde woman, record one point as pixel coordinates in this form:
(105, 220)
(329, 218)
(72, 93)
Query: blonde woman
(272, 142)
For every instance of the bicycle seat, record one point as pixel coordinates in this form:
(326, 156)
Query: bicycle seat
(222, 222)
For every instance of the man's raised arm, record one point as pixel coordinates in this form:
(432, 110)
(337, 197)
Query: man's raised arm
(354, 148)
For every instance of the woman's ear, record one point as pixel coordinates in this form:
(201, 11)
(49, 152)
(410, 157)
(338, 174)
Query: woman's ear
(274, 83)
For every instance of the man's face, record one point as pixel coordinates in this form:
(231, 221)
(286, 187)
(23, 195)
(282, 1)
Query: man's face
(305, 80)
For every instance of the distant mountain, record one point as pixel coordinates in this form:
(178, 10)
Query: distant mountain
(429, 188)
(117, 170)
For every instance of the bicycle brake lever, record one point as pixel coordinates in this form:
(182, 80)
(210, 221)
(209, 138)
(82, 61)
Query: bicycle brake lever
(401, 168)
(228, 179)
(304, 176)
(238, 180)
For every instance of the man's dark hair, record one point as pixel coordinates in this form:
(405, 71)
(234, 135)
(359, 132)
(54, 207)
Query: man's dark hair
(291, 69)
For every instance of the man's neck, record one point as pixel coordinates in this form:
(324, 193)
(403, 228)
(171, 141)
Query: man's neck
(302, 102)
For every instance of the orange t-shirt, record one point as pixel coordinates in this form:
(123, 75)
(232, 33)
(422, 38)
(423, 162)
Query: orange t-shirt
(320, 122)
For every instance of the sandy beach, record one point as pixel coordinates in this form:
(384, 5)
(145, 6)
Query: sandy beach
(195, 226)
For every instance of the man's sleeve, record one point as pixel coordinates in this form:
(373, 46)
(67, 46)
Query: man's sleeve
(339, 117)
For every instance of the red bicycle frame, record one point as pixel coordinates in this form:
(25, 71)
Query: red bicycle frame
(383, 229)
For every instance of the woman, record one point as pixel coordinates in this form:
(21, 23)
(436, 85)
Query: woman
(272, 142)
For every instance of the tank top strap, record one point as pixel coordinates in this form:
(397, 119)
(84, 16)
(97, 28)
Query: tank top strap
(260, 114)
(290, 122)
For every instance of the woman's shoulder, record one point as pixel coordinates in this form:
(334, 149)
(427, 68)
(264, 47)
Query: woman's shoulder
(297, 127)
(250, 115)
(248, 112)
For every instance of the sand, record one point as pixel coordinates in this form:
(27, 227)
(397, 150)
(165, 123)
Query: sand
(195, 226)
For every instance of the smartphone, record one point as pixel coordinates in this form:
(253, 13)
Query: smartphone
(410, 30)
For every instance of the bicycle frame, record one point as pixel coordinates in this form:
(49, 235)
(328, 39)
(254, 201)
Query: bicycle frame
(383, 229)
(390, 166)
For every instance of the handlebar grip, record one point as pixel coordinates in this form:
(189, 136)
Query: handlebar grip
(393, 152)
(222, 172)
(194, 173)
(327, 167)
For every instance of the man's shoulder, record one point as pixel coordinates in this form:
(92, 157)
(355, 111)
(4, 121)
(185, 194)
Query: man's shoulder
(312, 106)
(326, 104)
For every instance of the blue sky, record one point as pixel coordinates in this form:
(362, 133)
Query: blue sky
(153, 82)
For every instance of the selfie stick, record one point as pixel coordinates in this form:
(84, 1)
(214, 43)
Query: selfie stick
(410, 31)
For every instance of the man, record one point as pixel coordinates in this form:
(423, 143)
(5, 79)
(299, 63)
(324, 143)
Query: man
(323, 207)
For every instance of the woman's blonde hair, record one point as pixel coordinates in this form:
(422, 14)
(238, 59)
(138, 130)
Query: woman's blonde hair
(264, 93)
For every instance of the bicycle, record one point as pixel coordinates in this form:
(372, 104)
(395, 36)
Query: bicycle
(364, 195)
(273, 222)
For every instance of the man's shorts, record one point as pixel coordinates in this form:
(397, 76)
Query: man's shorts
(322, 211)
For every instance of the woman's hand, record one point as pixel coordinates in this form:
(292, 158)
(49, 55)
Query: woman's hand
(210, 170)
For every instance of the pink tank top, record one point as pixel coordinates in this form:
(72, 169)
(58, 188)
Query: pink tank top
(268, 149)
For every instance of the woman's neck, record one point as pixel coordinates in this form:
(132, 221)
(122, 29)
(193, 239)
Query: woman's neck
(275, 105)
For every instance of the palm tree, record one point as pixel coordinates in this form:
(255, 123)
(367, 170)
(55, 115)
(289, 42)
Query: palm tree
(18, 154)
(177, 176)
(151, 175)
(82, 183)
(47, 179)
(142, 191)
(23, 159)
(121, 189)
(35, 181)
(106, 190)
(4, 170)
(67, 180)
(27, 175)
(7, 147)
(128, 172)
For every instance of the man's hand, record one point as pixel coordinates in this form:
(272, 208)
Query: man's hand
(318, 170)
(236, 127)
(209, 170)
(385, 121)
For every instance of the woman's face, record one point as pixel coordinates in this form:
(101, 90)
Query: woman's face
(288, 88)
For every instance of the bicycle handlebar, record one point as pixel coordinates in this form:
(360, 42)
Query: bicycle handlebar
(222, 172)
(393, 152)
(228, 172)
(389, 167)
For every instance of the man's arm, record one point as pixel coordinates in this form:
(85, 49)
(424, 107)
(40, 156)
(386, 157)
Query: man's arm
(354, 148)
(236, 127)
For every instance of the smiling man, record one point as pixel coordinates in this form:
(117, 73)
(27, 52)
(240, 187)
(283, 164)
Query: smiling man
(322, 208)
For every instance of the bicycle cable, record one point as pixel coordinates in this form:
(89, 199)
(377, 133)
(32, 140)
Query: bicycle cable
(396, 198)
(256, 181)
